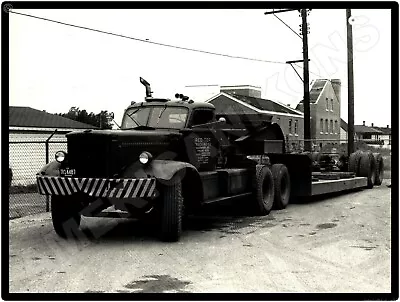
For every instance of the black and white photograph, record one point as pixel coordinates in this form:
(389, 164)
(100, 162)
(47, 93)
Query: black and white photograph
(179, 150)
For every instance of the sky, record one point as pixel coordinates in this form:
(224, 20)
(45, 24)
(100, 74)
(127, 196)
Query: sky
(54, 67)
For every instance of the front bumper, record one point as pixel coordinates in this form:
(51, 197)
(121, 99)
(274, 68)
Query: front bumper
(97, 187)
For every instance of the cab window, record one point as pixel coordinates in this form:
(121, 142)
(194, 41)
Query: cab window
(202, 116)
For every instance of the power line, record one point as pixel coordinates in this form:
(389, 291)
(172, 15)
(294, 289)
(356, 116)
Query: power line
(288, 26)
(147, 41)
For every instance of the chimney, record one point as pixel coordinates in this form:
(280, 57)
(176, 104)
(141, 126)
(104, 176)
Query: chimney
(288, 105)
(387, 126)
(363, 123)
(372, 124)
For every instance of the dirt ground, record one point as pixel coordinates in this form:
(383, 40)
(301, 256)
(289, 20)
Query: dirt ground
(336, 244)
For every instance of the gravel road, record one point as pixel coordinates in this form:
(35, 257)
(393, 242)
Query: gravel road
(336, 244)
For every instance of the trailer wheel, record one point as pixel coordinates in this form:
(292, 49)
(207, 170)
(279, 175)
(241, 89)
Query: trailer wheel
(354, 162)
(379, 169)
(65, 216)
(368, 168)
(281, 178)
(263, 191)
(171, 211)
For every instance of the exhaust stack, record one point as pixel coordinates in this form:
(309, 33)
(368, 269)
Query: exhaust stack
(148, 88)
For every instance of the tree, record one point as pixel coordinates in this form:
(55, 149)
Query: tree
(102, 120)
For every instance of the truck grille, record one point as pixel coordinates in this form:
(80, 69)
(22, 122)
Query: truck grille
(90, 156)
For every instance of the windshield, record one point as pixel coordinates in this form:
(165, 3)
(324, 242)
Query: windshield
(156, 117)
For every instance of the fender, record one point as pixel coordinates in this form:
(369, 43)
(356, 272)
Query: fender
(50, 169)
(160, 169)
(164, 170)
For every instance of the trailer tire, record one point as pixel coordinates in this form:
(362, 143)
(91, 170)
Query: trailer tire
(171, 212)
(281, 178)
(379, 169)
(368, 168)
(354, 162)
(263, 191)
(65, 216)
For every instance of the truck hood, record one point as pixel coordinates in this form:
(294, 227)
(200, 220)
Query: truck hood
(100, 153)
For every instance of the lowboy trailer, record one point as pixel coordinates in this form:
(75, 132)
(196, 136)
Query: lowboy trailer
(171, 157)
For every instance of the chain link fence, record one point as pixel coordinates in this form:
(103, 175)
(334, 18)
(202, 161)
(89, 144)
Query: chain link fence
(26, 157)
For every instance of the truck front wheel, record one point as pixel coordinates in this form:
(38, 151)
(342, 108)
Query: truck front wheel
(65, 216)
(171, 211)
(263, 191)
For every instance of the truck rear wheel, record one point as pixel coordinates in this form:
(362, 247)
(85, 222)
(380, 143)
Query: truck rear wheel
(368, 168)
(171, 211)
(263, 191)
(65, 216)
(354, 162)
(379, 168)
(281, 178)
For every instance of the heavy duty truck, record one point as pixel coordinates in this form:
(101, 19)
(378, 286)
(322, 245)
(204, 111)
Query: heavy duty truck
(171, 157)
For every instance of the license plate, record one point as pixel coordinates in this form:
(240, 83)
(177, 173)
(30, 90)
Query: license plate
(67, 172)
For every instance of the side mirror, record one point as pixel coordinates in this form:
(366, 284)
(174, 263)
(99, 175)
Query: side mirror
(222, 120)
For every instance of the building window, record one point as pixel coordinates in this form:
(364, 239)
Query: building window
(331, 104)
(331, 126)
(326, 126)
(295, 127)
(321, 126)
(290, 126)
(336, 127)
(327, 104)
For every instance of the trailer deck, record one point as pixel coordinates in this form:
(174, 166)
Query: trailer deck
(337, 185)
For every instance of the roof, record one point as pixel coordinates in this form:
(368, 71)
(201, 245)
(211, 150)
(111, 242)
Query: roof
(315, 91)
(29, 117)
(343, 125)
(385, 130)
(179, 103)
(264, 104)
(360, 128)
(366, 129)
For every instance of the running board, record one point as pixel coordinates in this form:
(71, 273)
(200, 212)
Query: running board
(225, 198)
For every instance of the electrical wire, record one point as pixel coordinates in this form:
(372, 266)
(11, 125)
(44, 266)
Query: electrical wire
(147, 41)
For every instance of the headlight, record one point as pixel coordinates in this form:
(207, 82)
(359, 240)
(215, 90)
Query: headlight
(145, 157)
(60, 156)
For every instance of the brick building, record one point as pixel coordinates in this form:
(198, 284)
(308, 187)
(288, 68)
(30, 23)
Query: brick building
(324, 110)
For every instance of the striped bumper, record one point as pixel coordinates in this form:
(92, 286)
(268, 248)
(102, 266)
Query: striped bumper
(96, 187)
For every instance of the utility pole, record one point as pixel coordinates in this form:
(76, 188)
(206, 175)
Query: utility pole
(307, 130)
(306, 79)
(350, 82)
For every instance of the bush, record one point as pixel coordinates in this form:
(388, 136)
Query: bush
(23, 189)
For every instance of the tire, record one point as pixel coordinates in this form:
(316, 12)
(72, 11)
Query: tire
(354, 162)
(263, 191)
(65, 216)
(171, 212)
(368, 168)
(281, 178)
(379, 175)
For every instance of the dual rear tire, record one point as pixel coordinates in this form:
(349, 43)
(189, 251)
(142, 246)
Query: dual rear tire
(369, 165)
(271, 188)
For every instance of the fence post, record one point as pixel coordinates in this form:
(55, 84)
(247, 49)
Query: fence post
(47, 161)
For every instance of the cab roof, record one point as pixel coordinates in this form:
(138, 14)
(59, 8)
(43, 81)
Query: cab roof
(172, 103)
